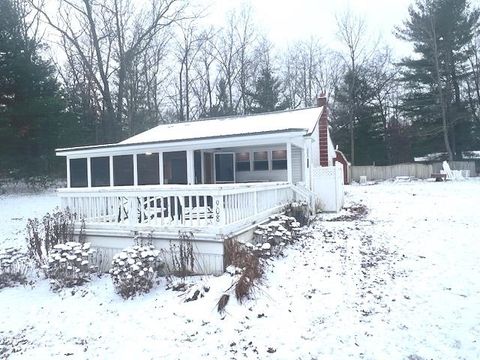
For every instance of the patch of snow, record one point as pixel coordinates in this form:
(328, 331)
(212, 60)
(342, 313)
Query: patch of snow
(15, 210)
(399, 281)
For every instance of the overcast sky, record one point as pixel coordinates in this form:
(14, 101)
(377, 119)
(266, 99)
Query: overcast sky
(285, 21)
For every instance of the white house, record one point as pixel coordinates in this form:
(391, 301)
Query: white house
(216, 178)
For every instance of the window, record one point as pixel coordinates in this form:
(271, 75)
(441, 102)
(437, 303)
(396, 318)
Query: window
(279, 159)
(100, 167)
(147, 167)
(242, 161)
(260, 160)
(78, 173)
(123, 170)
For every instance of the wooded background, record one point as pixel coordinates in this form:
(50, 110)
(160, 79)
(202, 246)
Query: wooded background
(119, 69)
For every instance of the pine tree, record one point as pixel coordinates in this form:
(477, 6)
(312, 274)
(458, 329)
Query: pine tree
(222, 107)
(32, 112)
(440, 32)
(266, 96)
(368, 127)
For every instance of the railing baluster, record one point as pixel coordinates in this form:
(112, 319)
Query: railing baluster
(176, 200)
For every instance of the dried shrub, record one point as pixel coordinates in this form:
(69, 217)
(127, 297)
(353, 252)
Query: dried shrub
(354, 212)
(300, 211)
(195, 292)
(246, 266)
(14, 266)
(69, 264)
(134, 270)
(180, 258)
(53, 229)
(222, 303)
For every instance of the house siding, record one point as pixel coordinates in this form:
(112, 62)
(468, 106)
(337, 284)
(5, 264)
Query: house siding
(261, 175)
(315, 156)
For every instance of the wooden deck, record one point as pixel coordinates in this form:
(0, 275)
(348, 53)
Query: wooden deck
(208, 210)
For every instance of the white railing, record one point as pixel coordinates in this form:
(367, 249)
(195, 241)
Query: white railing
(177, 206)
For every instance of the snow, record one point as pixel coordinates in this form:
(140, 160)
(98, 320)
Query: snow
(439, 156)
(395, 276)
(15, 210)
(304, 119)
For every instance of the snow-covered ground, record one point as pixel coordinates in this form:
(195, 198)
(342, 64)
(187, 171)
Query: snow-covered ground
(399, 282)
(15, 210)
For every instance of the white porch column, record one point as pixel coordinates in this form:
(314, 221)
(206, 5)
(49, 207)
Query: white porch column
(89, 172)
(190, 167)
(306, 170)
(289, 162)
(135, 170)
(160, 167)
(68, 172)
(202, 161)
(110, 167)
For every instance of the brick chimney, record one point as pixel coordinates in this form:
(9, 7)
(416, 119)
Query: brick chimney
(323, 130)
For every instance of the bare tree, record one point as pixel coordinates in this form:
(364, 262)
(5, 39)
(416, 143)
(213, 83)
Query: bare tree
(107, 38)
(352, 32)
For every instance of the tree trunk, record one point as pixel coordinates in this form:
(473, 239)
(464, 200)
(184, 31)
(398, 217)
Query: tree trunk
(441, 97)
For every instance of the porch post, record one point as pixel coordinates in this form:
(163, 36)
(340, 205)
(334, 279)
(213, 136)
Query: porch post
(160, 167)
(68, 172)
(289, 162)
(89, 172)
(202, 161)
(135, 170)
(110, 167)
(190, 167)
(306, 178)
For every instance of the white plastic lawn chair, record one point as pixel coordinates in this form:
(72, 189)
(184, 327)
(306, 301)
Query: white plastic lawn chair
(451, 174)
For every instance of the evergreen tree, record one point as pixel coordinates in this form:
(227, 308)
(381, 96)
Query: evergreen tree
(32, 112)
(222, 107)
(267, 93)
(440, 32)
(368, 127)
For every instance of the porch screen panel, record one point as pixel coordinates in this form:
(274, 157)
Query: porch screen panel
(175, 167)
(100, 171)
(148, 171)
(123, 170)
(197, 162)
(78, 173)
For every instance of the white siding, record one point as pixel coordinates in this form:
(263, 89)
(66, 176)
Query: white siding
(262, 175)
(315, 156)
(297, 159)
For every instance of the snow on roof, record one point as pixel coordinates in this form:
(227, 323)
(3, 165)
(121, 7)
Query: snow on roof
(303, 119)
(430, 157)
(440, 156)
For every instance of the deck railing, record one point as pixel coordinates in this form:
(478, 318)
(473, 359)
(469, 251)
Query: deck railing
(178, 206)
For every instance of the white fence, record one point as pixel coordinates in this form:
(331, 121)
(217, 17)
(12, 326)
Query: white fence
(328, 187)
(419, 171)
(178, 206)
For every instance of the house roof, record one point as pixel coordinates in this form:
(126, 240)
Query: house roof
(304, 119)
(273, 122)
